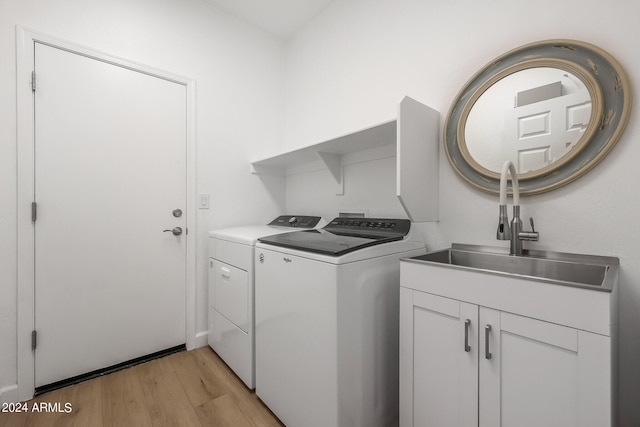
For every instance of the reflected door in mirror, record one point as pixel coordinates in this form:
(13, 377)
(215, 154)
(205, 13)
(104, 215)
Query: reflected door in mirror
(541, 133)
(528, 117)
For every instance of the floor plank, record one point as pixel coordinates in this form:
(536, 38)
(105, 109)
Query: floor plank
(85, 400)
(154, 368)
(86, 403)
(222, 412)
(124, 403)
(247, 401)
(194, 388)
(167, 402)
(198, 381)
(13, 419)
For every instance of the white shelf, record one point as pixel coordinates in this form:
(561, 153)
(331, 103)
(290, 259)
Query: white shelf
(364, 139)
(414, 132)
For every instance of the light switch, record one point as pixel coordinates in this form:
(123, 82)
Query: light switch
(203, 201)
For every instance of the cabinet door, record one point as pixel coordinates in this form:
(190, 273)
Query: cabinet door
(438, 366)
(535, 373)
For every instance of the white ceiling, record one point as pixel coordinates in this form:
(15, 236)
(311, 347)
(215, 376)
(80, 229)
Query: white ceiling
(280, 17)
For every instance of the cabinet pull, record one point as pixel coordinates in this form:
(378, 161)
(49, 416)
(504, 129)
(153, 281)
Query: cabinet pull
(467, 323)
(487, 353)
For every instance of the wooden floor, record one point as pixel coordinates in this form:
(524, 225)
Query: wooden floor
(192, 388)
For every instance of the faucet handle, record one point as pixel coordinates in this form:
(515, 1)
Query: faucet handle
(532, 235)
(504, 231)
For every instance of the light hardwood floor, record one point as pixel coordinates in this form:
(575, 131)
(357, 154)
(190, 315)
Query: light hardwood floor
(192, 388)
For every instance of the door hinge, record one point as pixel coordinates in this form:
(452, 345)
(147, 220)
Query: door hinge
(33, 81)
(34, 211)
(34, 339)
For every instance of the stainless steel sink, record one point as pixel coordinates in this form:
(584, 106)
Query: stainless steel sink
(588, 271)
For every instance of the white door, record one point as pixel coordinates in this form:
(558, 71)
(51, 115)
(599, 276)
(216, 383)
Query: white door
(110, 169)
(439, 361)
(541, 133)
(541, 374)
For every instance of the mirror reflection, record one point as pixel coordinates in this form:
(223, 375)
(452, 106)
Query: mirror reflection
(533, 117)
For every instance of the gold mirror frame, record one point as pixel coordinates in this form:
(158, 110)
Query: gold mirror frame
(608, 88)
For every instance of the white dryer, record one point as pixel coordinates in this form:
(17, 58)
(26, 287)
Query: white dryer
(327, 319)
(231, 289)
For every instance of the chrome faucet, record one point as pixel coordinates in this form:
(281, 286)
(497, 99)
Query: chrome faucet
(514, 231)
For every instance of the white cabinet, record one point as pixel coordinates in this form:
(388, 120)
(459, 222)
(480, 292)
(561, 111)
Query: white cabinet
(467, 364)
(412, 137)
(541, 374)
(438, 378)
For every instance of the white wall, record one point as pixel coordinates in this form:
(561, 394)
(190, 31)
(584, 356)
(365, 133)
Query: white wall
(239, 105)
(314, 193)
(350, 67)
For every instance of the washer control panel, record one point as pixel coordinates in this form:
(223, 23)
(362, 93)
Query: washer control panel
(295, 221)
(366, 225)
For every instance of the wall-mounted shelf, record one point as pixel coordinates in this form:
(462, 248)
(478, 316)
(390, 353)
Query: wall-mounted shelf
(329, 151)
(414, 132)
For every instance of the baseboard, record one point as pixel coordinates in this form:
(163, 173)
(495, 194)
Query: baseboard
(9, 393)
(202, 339)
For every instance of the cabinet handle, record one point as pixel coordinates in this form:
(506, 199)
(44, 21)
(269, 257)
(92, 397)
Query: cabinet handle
(487, 353)
(467, 323)
(225, 272)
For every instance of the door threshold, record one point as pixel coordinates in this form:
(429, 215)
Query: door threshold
(108, 370)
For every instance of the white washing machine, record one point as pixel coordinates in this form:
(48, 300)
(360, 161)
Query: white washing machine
(231, 289)
(327, 319)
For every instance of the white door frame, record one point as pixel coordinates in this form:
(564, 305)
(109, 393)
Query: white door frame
(25, 39)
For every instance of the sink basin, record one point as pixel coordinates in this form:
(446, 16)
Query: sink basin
(588, 271)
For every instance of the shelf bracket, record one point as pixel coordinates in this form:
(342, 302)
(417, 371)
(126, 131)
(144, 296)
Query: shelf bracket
(334, 164)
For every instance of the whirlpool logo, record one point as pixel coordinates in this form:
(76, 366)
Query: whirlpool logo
(261, 259)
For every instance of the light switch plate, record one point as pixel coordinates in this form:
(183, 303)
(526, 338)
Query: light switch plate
(203, 201)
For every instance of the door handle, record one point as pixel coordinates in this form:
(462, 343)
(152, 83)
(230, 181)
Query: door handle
(467, 347)
(487, 353)
(175, 230)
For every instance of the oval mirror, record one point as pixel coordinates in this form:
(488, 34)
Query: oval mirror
(554, 108)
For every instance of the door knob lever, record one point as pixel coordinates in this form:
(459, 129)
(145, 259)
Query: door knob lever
(175, 230)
